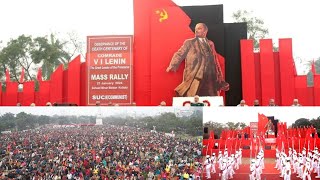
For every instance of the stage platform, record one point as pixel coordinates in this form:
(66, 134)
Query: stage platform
(268, 173)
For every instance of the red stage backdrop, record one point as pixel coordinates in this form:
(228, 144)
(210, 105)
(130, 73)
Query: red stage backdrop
(272, 75)
(109, 70)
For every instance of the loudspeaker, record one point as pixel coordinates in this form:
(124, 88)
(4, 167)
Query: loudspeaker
(205, 130)
(206, 133)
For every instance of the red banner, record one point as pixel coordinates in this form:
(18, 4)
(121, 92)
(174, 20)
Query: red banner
(110, 70)
(253, 127)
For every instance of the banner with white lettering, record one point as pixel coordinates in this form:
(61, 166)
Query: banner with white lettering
(109, 60)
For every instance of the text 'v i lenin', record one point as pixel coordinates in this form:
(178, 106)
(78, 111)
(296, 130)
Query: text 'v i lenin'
(109, 69)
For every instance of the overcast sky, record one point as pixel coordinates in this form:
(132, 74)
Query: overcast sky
(285, 19)
(250, 114)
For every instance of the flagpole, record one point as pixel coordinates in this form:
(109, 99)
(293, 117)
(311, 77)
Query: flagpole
(315, 138)
(251, 148)
(231, 142)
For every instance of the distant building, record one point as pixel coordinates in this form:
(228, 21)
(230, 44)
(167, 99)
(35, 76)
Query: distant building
(99, 118)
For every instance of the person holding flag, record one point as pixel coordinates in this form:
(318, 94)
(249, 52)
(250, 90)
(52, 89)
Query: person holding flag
(307, 170)
(213, 163)
(236, 167)
(318, 168)
(220, 159)
(295, 163)
(301, 166)
(287, 174)
(240, 156)
(230, 171)
(208, 167)
(258, 168)
(277, 159)
(252, 170)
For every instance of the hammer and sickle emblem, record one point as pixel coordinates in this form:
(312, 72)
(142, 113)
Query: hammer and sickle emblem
(163, 15)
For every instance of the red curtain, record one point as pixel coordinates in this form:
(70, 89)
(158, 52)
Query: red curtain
(10, 97)
(316, 90)
(301, 90)
(83, 84)
(73, 82)
(56, 85)
(267, 71)
(44, 93)
(248, 71)
(28, 93)
(287, 70)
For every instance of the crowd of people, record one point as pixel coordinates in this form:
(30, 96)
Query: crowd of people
(98, 152)
(303, 164)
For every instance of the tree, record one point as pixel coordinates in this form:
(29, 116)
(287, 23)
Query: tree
(28, 53)
(7, 122)
(302, 122)
(310, 74)
(25, 121)
(238, 125)
(50, 51)
(316, 124)
(215, 127)
(16, 55)
(255, 26)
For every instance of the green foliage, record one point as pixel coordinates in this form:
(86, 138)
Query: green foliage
(7, 122)
(166, 122)
(50, 51)
(24, 121)
(255, 26)
(30, 53)
(310, 74)
(215, 127)
(302, 122)
(238, 125)
(16, 55)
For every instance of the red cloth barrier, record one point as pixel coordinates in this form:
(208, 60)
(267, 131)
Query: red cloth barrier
(288, 71)
(56, 85)
(267, 71)
(73, 82)
(28, 93)
(248, 70)
(10, 97)
(44, 93)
